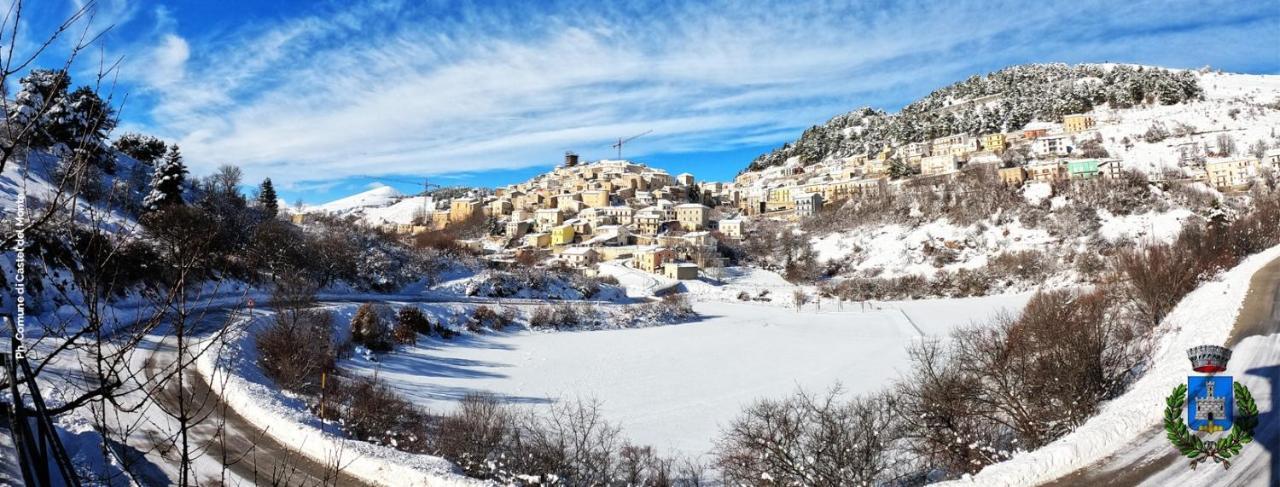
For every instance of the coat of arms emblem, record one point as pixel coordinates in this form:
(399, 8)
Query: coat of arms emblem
(1213, 404)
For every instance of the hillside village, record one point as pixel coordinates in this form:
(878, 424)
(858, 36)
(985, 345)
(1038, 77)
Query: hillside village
(583, 213)
(397, 298)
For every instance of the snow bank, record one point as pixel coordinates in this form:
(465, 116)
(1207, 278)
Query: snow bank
(1206, 316)
(260, 402)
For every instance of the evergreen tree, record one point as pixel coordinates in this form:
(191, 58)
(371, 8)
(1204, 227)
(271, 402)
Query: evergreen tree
(167, 182)
(899, 169)
(267, 199)
(82, 127)
(143, 148)
(38, 103)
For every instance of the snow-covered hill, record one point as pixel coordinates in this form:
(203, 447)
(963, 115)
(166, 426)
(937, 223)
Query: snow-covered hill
(1243, 107)
(1125, 104)
(376, 197)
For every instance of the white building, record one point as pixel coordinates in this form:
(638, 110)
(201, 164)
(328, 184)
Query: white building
(808, 204)
(1052, 145)
(731, 228)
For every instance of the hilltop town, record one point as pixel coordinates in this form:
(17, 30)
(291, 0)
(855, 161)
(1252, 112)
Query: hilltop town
(583, 213)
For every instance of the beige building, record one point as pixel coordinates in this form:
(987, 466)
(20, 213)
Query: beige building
(440, 219)
(916, 151)
(517, 228)
(680, 270)
(955, 145)
(779, 198)
(1046, 171)
(1013, 176)
(807, 204)
(692, 216)
(579, 256)
(540, 239)
(500, 207)
(939, 164)
(648, 221)
(546, 218)
(1230, 174)
(595, 198)
(461, 209)
(650, 259)
(732, 228)
(995, 143)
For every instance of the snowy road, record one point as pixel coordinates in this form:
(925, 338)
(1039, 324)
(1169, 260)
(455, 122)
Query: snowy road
(250, 454)
(1152, 461)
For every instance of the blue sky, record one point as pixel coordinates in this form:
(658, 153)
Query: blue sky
(325, 97)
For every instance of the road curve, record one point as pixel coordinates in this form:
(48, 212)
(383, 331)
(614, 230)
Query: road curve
(251, 453)
(1259, 316)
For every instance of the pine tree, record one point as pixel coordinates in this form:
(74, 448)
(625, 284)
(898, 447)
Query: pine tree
(82, 126)
(39, 102)
(267, 199)
(167, 182)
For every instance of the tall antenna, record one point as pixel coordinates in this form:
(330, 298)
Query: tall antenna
(620, 142)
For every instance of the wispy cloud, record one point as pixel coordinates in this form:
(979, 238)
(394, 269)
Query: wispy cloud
(392, 88)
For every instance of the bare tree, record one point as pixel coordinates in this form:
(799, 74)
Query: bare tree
(799, 298)
(813, 440)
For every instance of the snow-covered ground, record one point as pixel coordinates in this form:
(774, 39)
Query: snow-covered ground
(1224, 93)
(285, 418)
(1206, 316)
(1145, 227)
(898, 250)
(674, 386)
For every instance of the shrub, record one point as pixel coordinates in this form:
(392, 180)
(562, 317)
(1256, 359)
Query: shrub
(412, 318)
(1155, 133)
(296, 348)
(570, 444)
(404, 334)
(542, 317)
(475, 436)
(372, 412)
(1158, 276)
(485, 317)
(369, 329)
(1027, 265)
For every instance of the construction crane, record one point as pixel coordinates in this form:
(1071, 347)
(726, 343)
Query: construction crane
(426, 183)
(620, 142)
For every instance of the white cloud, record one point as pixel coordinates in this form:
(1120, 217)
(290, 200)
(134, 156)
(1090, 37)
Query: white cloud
(342, 93)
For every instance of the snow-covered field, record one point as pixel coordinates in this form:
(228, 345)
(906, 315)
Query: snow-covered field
(674, 386)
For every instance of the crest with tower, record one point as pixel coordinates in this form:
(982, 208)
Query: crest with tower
(1220, 413)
